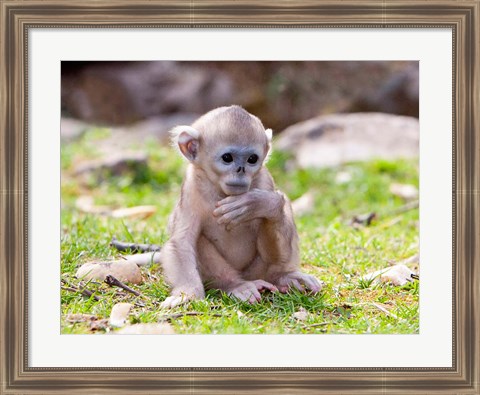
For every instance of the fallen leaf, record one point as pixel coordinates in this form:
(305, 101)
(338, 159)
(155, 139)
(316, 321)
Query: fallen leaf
(97, 325)
(119, 314)
(75, 318)
(411, 260)
(397, 275)
(384, 310)
(131, 212)
(124, 270)
(85, 204)
(301, 314)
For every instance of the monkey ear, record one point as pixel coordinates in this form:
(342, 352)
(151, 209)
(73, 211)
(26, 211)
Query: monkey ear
(186, 139)
(268, 149)
(269, 134)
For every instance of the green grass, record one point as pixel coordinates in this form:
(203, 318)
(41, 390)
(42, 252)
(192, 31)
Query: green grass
(331, 248)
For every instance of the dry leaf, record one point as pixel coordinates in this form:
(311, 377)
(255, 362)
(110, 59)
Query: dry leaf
(85, 204)
(99, 325)
(131, 212)
(396, 275)
(301, 314)
(384, 310)
(75, 318)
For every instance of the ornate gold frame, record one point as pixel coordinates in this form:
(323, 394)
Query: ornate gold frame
(17, 16)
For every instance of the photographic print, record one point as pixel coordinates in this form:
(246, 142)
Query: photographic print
(240, 197)
(372, 168)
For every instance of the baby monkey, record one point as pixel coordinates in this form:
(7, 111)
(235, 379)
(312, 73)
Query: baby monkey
(231, 229)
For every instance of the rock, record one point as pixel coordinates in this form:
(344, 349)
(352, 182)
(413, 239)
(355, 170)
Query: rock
(115, 164)
(279, 93)
(147, 329)
(399, 94)
(153, 127)
(119, 314)
(335, 139)
(123, 270)
(118, 93)
(283, 93)
(72, 129)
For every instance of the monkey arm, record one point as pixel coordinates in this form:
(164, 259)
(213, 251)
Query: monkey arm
(256, 203)
(278, 238)
(278, 247)
(179, 262)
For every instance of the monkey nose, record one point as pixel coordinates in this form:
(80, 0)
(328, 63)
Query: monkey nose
(241, 169)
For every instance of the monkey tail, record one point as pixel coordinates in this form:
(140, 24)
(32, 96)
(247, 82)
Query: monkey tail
(134, 247)
(149, 253)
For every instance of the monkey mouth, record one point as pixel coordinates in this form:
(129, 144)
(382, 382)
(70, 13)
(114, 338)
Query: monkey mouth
(236, 188)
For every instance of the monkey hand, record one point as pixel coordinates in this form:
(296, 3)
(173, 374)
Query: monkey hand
(179, 297)
(301, 281)
(256, 203)
(249, 291)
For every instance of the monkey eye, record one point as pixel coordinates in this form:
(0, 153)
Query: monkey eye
(227, 158)
(252, 159)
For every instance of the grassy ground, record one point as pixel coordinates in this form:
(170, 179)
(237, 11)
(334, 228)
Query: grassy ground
(331, 248)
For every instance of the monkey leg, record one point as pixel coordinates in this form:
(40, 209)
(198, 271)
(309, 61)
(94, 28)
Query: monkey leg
(144, 259)
(218, 273)
(250, 290)
(181, 272)
(278, 248)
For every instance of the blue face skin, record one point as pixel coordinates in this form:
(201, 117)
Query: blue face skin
(237, 166)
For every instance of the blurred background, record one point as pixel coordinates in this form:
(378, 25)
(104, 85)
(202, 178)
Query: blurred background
(280, 93)
(139, 100)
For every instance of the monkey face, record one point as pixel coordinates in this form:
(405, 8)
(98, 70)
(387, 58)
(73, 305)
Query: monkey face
(228, 145)
(236, 166)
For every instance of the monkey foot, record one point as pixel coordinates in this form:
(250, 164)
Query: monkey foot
(178, 298)
(249, 291)
(301, 281)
